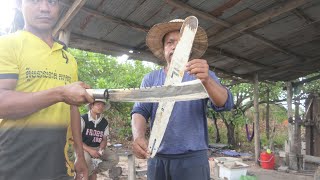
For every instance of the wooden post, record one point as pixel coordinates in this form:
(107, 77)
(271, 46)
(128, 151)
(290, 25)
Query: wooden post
(66, 19)
(64, 36)
(131, 167)
(315, 140)
(267, 115)
(256, 118)
(307, 123)
(292, 156)
(297, 133)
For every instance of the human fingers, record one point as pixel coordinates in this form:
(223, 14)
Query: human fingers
(140, 150)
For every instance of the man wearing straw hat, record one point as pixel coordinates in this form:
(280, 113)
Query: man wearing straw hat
(95, 132)
(183, 150)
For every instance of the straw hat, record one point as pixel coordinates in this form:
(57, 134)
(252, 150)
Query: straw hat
(107, 104)
(157, 32)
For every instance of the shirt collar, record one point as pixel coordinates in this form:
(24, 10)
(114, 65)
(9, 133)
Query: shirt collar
(93, 120)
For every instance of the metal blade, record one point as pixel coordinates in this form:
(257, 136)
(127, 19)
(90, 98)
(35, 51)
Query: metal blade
(185, 91)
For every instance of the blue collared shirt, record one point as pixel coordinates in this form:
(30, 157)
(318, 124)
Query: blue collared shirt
(187, 129)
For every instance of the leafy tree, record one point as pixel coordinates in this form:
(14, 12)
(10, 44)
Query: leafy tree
(106, 72)
(243, 101)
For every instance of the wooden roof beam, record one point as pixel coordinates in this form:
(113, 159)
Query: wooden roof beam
(236, 57)
(256, 20)
(302, 15)
(204, 15)
(313, 78)
(65, 21)
(111, 18)
(214, 42)
(105, 47)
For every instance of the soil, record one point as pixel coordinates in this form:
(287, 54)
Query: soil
(253, 170)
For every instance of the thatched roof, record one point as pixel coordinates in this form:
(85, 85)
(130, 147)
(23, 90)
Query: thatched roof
(278, 39)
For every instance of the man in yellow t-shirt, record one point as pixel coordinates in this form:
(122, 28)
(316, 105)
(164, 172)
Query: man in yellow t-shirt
(39, 98)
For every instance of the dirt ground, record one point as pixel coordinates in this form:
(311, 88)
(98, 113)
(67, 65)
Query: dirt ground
(265, 174)
(253, 170)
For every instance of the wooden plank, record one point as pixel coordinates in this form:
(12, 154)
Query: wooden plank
(256, 118)
(297, 134)
(255, 20)
(175, 74)
(292, 156)
(315, 128)
(312, 159)
(131, 167)
(65, 21)
(64, 36)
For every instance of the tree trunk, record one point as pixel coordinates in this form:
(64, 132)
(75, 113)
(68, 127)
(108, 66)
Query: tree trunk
(217, 134)
(230, 131)
(267, 115)
(230, 134)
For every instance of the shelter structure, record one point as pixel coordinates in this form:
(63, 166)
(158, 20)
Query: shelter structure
(249, 40)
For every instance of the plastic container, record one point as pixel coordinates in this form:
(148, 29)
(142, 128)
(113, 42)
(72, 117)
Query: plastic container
(267, 160)
(225, 160)
(216, 171)
(232, 171)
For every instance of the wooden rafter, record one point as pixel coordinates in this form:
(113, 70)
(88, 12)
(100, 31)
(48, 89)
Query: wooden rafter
(233, 29)
(105, 47)
(255, 20)
(302, 15)
(236, 57)
(313, 78)
(65, 21)
(283, 69)
(146, 29)
(218, 70)
(187, 8)
(111, 18)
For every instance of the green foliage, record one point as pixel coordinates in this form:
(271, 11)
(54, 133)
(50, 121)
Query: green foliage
(243, 110)
(105, 72)
(310, 87)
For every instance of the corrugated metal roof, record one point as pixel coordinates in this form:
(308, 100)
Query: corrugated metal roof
(126, 36)
(209, 6)
(260, 5)
(121, 8)
(91, 26)
(289, 31)
(146, 11)
(284, 27)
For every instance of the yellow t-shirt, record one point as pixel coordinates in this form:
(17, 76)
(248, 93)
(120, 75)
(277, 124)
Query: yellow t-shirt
(35, 142)
(38, 67)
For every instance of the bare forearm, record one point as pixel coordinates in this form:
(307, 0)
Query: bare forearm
(139, 126)
(217, 93)
(76, 131)
(104, 143)
(86, 147)
(15, 105)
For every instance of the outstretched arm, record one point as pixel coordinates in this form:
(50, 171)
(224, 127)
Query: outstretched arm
(15, 105)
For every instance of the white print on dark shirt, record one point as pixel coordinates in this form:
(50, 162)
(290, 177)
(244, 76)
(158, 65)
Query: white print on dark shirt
(97, 135)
